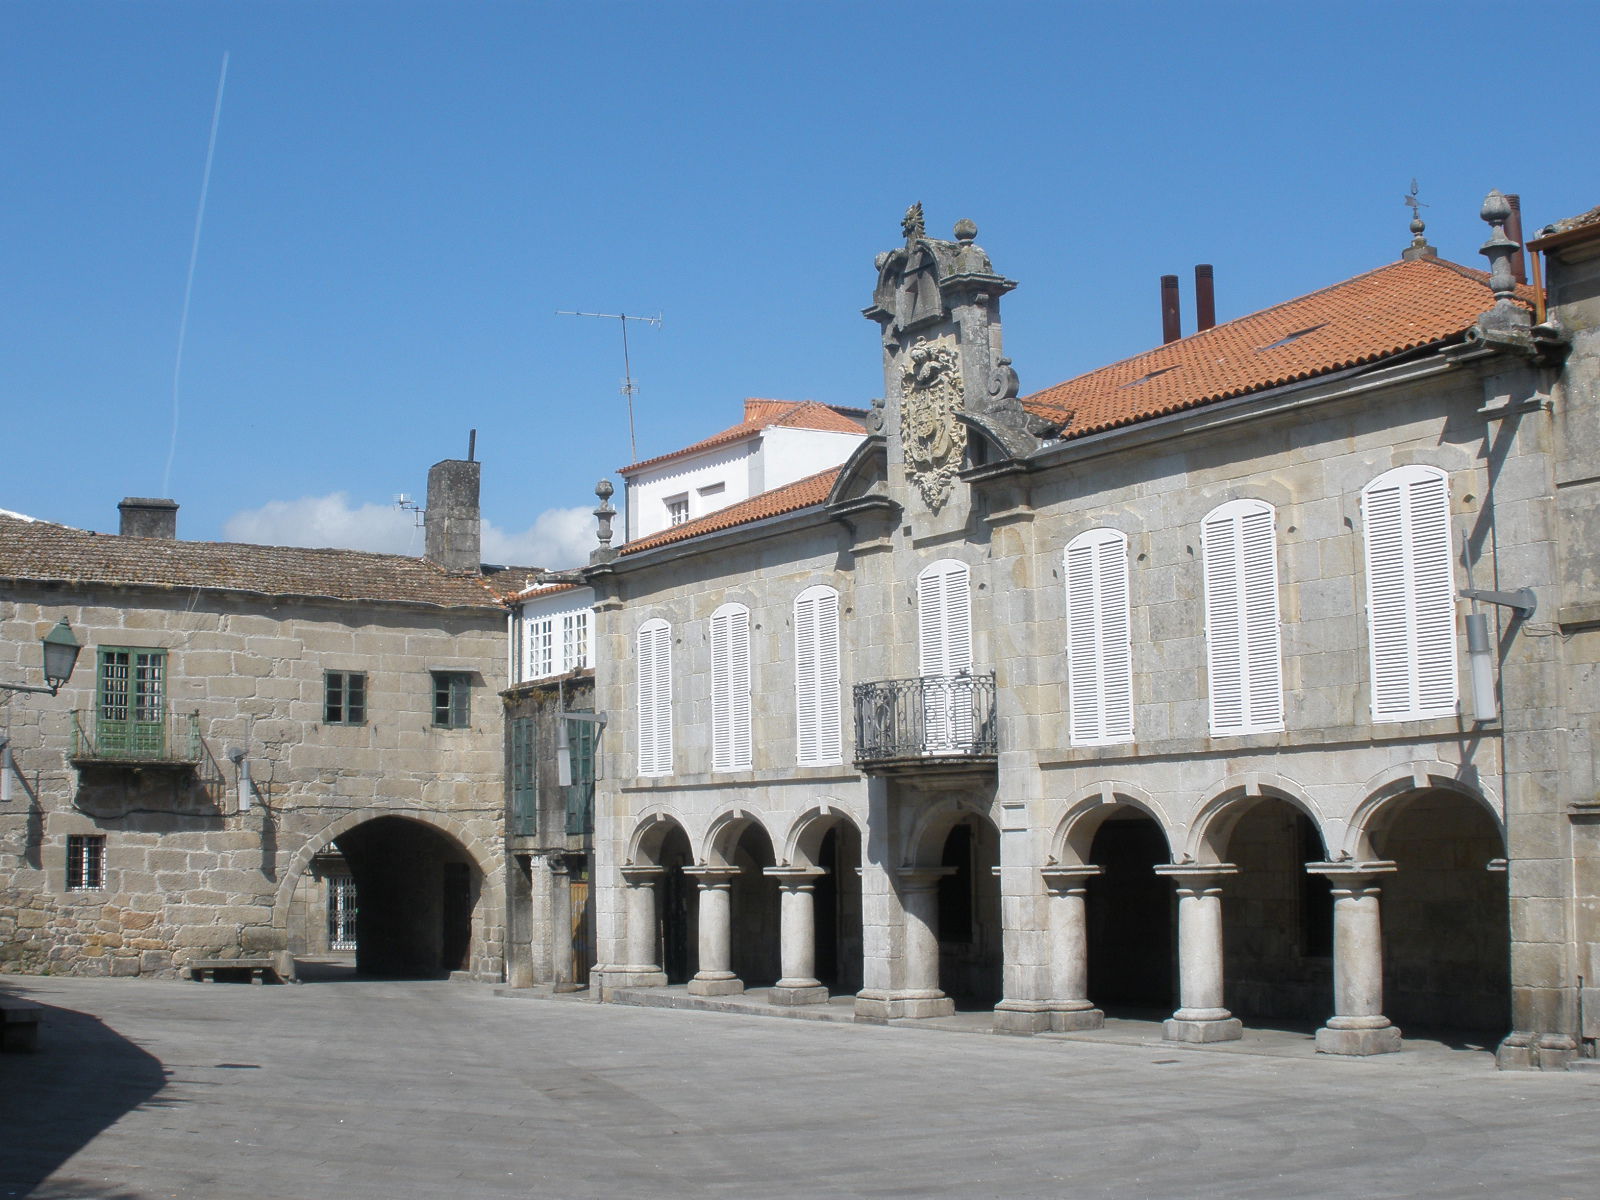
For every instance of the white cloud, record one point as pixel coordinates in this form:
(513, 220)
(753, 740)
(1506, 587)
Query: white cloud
(558, 537)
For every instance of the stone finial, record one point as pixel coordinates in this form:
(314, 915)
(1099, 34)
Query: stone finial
(1419, 247)
(966, 230)
(604, 513)
(1499, 248)
(912, 224)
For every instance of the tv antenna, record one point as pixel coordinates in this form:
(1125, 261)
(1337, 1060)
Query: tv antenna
(628, 387)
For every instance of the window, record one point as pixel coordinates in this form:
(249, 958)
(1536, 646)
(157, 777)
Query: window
(452, 699)
(1239, 555)
(580, 792)
(818, 736)
(344, 698)
(677, 510)
(730, 688)
(342, 912)
(524, 779)
(131, 700)
(654, 656)
(541, 647)
(86, 862)
(574, 641)
(944, 628)
(1099, 653)
(1411, 595)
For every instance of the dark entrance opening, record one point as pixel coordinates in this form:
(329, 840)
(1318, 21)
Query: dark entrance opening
(679, 912)
(838, 910)
(971, 956)
(1130, 919)
(418, 889)
(755, 916)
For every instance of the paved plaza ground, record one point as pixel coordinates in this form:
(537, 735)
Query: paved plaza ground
(372, 1089)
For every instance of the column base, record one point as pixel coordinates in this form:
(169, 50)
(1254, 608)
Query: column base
(1359, 1041)
(1022, 1017)
(716, 983)
(1065, 1019)
(790, 993)
(1206, 1029)
(1526, 1051)
(607, 979)
(876, 1006)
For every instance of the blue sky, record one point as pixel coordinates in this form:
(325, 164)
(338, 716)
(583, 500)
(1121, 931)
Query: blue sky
(402, 194)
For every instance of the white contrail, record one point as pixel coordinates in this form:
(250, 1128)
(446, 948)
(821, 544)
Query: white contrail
(188, 283)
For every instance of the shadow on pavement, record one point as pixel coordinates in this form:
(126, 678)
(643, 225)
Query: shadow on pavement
(83, 1078)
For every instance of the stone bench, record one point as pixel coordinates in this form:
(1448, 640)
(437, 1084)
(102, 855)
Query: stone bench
(19, 1023)
(260, 970)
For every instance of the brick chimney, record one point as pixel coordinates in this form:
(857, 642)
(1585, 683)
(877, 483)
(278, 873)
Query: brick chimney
(451, 522)
(143, 517)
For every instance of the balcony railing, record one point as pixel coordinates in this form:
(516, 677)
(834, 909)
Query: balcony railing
(931, 720)
(155, 739)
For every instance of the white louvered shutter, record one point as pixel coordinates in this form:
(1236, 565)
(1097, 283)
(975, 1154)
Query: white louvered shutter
(654, 646)
(818, 737)
(730, 688)
(1099, 650)
(1243, 648)
(944, 614)
(1411, 608)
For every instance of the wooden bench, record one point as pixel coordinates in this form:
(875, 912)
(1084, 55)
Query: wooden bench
(19, 1023)
(261, 970)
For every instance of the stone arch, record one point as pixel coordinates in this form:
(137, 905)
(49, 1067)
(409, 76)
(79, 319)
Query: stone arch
(1383, 791)
(925, 840)
(803, 839)
(722, 834)
(649, 831)
(1231, 799)
(1074, 833)
(330, 833)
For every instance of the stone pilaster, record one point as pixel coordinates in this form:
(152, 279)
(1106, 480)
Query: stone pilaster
(917, 992)
(642, 950)
(1070, 1006)
(1358, 1025)
(715, 976)
(1201, 1016)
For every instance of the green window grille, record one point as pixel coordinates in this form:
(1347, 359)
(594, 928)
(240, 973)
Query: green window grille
(452, 699)
(524, 779)
(130, 702)
(345, 698)
(580, 794)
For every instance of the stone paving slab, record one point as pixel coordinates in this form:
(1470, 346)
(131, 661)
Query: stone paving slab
(145, 1089)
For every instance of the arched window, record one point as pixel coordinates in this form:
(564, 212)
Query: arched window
(654, 654)
(1099, 653)
(1411, 594)
(818, 736)
(730, 688)
(1239, 552)
(944, 625)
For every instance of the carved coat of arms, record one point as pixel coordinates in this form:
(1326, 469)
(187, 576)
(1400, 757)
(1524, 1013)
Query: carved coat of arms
(933, 440)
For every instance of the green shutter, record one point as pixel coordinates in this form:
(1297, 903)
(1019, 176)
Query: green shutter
(130, 702)
(580, 795)
(524, 779)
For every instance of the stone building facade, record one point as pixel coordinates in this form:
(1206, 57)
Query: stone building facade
(240, 717)
(1154, 691)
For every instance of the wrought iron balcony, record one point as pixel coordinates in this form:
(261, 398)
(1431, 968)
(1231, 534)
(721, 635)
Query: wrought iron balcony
(930, 723)
(154, 739)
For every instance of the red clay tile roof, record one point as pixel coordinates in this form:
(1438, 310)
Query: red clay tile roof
(1398, 307)
(538, 591)
(39, 551)
(1556, 233)
(803, 493)
(765, 414)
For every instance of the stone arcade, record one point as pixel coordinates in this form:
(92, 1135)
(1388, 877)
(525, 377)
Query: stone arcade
(1164, 692)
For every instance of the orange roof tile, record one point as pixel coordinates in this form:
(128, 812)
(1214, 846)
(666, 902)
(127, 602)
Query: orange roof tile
(538, 591)
(760, 415)
(803, 493)
(1398, 307)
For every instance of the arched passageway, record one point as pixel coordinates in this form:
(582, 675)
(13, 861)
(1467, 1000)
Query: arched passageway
(1277, 920)
(676, 909)
(1446, 933)
(971, 950)
(756, 936)
(418, 889)
(1130, 916)
(838, 910)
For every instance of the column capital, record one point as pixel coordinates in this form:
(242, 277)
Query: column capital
(708, 877)
(1352, 872)
(1196, 875)
(923, 877)
(643, 874)
(790, 876)
(1062, 876)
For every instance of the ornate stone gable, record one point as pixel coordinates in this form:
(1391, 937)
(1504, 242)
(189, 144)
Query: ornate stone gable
(933, 439)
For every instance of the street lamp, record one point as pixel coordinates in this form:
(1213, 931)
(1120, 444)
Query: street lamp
(60, 656)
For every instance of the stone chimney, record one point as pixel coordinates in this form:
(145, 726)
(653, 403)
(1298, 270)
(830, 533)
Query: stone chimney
(142, 517)
(451, 521)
